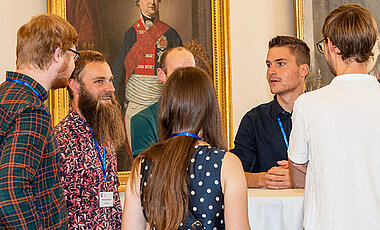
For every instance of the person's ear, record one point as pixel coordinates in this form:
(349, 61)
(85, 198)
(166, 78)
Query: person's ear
(58, 54)
(74, 86)
(332, 48)
(304, 70)
(161, 74)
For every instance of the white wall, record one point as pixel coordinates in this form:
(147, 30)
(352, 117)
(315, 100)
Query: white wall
(253, 24)
(13, 14)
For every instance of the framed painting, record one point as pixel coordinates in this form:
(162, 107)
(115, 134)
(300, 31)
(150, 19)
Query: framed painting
(309, 16)
(202, 25)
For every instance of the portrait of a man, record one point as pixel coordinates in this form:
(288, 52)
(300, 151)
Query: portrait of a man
(132, 35)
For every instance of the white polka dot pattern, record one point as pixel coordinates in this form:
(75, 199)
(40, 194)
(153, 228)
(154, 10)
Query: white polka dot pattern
(205, 193)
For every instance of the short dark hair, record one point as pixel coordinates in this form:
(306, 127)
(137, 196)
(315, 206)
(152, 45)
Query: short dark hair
(353, 30)
(86, 57)
(297, 47)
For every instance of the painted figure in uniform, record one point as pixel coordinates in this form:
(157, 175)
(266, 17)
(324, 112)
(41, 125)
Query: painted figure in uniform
(135, 69)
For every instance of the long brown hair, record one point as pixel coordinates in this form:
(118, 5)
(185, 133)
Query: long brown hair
(188, 104)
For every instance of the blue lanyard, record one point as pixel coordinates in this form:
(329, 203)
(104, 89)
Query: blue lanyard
(283, 132)
(186, 134)
(28, 85)
(104, 164)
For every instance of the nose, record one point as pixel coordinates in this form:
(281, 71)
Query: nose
(109, 88)
(271, 71)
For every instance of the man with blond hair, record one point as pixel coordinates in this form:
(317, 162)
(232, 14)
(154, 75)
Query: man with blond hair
(31, 195)
(334, 143)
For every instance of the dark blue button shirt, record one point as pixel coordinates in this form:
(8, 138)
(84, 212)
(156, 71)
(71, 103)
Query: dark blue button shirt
(259, 142)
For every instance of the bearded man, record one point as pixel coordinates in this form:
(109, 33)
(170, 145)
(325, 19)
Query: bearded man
(87, 137)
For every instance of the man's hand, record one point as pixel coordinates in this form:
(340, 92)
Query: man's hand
(278, 177)
(283, 164)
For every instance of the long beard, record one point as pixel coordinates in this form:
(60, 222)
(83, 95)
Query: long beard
(105, 120)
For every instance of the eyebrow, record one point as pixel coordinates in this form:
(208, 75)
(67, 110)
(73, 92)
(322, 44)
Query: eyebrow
(277, 60)
(280, 59)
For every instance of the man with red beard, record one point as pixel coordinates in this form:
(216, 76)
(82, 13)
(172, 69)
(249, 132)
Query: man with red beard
(31, 195)
(87, 138)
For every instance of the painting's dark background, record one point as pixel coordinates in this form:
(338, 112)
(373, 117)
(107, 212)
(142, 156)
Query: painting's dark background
(102, 24)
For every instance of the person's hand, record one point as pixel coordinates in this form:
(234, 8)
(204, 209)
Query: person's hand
(278, 178)
(283, 164)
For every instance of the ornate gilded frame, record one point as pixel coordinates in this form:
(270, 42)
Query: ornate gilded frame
(58, 99)
(298, 19)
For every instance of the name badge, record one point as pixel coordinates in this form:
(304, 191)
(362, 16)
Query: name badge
(105, 199)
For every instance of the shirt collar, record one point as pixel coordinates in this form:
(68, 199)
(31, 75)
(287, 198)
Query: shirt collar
(21, 77)
(147, 18)
(277, 110)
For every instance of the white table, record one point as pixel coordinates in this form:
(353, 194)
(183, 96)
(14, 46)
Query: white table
(275, 209)
(272, 209)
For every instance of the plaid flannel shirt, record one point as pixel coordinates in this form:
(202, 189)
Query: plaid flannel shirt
(31, 195)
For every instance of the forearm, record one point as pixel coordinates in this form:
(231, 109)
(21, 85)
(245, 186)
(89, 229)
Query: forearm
(255, 180)
(298, 174)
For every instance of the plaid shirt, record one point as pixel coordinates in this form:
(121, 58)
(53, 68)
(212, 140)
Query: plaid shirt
(31, 195)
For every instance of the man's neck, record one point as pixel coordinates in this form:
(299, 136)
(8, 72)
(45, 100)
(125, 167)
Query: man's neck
(351, 68)
(287, 100)
(75, 106)
(38, 75)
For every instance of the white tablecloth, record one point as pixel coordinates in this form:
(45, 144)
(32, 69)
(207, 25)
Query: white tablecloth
(275, 209)
(272, 209)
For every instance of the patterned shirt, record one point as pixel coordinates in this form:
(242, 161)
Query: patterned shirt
(82, 176)
(31, 195)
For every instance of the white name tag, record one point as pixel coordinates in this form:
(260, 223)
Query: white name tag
(105, 199)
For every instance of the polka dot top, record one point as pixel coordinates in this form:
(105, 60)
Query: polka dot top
(206, 201)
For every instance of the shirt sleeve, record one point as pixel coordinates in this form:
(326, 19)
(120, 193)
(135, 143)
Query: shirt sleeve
(22, 153)
(298, 148)
(245, 144)
(143, 134)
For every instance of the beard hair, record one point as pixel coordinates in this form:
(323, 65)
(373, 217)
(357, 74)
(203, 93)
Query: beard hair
(62, 79)
(105, 120)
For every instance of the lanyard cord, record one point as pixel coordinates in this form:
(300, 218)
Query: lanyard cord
(28, 85)
(283, 132)
(187, 134)
(104, 163)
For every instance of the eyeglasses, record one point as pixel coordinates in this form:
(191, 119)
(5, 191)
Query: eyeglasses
(76, 54)
(321, 46)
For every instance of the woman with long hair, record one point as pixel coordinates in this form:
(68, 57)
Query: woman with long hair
(186, 181)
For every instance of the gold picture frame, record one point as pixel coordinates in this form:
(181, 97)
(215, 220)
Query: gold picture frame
(58, 99)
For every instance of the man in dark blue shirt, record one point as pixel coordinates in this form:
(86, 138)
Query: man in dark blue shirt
(262, 139)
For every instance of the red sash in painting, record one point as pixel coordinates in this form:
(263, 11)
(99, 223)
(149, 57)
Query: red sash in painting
(142, 46)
